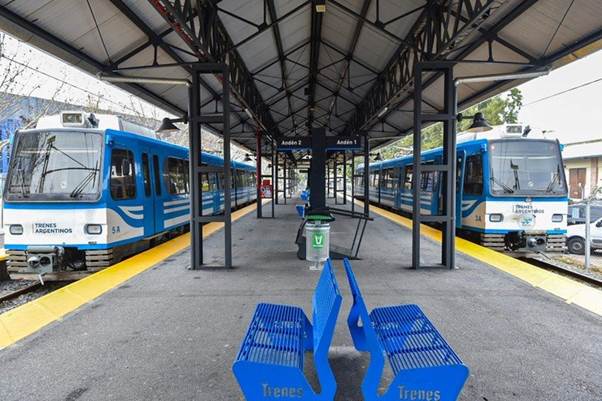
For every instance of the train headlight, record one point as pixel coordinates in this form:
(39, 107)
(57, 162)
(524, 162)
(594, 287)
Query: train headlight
(93, 229)
(496, 217)
(557, 218)
(16, 229)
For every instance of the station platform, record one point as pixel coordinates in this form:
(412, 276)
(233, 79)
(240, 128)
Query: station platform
(169, 333)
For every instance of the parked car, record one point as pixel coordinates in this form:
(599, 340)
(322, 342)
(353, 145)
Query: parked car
(576, 213)
(575, 237)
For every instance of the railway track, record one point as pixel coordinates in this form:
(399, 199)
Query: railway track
(549, 264)
(20, 291)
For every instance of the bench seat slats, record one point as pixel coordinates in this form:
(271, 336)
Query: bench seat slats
(275, 336)
(409, 339)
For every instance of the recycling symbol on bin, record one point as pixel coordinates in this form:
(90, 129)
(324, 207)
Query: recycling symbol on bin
(317, 240)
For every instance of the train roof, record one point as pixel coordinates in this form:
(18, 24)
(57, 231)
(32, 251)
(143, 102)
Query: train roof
(206, 157)
(466, 138)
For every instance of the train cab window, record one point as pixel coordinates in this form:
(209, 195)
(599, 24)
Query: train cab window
(407, 180)
(473, 178)
(123, 174)
(177, 176)
(146, 174)
(157, 175)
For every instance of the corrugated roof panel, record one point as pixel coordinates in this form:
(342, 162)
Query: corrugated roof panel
(259, 49)
(374, 49)
(389, 12)
(337, 28)
(250, 10)
(534, 30)
(294, 30)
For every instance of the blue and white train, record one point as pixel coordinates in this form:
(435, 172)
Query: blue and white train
(84, 192)
(511, 189)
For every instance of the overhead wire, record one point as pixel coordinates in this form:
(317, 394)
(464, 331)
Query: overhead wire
(565, 91)
(62, 81)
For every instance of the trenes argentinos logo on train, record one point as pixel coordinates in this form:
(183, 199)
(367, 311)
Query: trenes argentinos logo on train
(50, 228)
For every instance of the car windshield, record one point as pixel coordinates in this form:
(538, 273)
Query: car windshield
(526, 167)
(49, 165)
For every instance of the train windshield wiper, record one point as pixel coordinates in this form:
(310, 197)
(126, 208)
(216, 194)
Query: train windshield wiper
(79, 188)
(514, 168)
(554, 180)
(505, 187)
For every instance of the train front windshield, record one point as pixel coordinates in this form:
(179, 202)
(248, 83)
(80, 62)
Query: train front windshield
(51, 166)
(526, 167)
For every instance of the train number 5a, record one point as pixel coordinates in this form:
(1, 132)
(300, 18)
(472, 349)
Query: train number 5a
(115, 229)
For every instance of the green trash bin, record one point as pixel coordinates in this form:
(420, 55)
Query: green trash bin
(317, 243)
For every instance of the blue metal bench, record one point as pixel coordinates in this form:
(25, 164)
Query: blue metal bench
(424, 366)
(270, 361)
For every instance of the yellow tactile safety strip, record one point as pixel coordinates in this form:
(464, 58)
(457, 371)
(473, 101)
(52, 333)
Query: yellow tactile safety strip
(28, 318)
(571, 291)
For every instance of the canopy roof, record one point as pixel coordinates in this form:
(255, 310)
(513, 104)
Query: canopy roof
(293, 64)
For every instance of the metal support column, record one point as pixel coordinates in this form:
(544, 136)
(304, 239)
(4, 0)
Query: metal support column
(276, 165)
(353, 175)
(274, 159)
(258, 174)
(197, 168)
(446, 170)
(366, 175)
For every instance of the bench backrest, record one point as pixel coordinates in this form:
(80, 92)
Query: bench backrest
(326, 304)
(363, 335)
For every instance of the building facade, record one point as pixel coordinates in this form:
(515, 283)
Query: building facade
(583, 167)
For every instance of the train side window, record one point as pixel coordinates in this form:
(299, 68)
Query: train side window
(407, 180)
(157, 175)
(239, 179)
(123, 174)
(204, 182)
(473, 178)
(146, 174)
(390, 177)
(177, 176)
(375, 179)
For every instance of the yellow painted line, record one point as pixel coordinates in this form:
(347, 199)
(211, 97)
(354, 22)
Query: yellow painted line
(570, 290)
(28, 318)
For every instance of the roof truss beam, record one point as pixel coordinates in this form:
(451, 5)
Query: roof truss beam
(199, 26)
(436, 33)
(281, 56)
(314, 56)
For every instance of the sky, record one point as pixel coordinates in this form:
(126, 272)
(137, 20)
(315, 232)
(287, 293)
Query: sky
(572, 116)
(43, 75)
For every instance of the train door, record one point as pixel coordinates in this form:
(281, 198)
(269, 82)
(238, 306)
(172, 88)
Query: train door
(127, 196)
(148, 195)
(460, 173)
(234, 188)
(157, 191)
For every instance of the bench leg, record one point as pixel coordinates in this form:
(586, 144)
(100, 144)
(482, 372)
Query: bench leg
(441, 383)
(261, 382)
